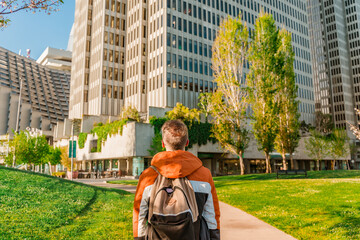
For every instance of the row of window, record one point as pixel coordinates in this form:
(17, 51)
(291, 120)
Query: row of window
(306, 108)
(114, 56)
(228, 8)
(190, 46)
(113, 74)
(114, 22)
(114, 39)
(202, 31)
(110, 91)
(305, 94)
(114, 5)
(189, 83)
(190, 27)
(193, 65)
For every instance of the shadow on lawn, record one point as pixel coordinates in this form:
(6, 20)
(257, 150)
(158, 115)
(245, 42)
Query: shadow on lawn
(327, 174)
(67, 181)
(350, 223)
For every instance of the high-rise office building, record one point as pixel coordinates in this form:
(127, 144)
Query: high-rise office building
(157, 53)
(97, 74)
(335, 44)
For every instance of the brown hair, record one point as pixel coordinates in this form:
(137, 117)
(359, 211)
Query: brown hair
(174, 134)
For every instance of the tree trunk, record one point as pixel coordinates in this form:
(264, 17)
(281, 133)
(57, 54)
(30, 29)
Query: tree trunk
(242, 165)
(267, 160)
(292, 163)
(50, 170)
(318, 165)
(284, 160)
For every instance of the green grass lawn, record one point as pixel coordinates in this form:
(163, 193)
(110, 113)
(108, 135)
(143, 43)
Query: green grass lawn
(125, 182)
(324, 206)
(33, 206)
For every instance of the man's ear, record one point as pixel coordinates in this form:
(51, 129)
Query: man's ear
(187, 143)
(162, 142)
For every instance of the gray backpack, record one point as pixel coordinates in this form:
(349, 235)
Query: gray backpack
(172, 209)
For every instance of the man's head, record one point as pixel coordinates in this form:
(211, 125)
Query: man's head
(174, 135)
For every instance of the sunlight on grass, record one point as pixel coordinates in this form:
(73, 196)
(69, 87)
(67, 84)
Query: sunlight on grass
(305, 208)
(33, 206)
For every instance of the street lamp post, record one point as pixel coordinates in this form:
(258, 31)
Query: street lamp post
(72, 149)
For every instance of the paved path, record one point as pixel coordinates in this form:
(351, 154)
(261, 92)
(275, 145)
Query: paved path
(235, 223)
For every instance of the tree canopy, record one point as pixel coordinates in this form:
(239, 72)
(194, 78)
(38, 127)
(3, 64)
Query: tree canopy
(229, 103)
(8, 7)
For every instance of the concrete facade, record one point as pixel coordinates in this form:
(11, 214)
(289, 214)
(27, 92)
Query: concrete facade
(44, 93)
(130, 151)
(57, 59)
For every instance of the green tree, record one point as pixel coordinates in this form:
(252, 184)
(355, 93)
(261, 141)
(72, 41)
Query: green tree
(8, 7)
(288, 136)
(183, 113)
(130, 113)
(156, 145)
(317, 147)
(229, 103)
(28, 149)
(19, 149)
(263, 83)
(53, 157)
(323, 123)
(338, 145)
(38, 150)
(65, 160)
(204, 99)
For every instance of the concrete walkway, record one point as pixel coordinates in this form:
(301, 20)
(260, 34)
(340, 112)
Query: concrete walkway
(235, 223)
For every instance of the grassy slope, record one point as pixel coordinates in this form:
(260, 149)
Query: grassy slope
(33, 206)
(325, 206)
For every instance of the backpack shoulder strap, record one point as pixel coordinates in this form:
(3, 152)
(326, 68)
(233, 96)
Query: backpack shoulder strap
(153, 167)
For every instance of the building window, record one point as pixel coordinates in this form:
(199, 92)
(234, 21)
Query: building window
(180, 82)
(180, 42)
(168, 79)
(174, 81)
(173, 61)
(179, 62)
(185, 64)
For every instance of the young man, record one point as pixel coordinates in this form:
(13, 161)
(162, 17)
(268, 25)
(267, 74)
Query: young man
(175, 162)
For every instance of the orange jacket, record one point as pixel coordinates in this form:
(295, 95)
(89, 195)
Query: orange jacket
(177, 164)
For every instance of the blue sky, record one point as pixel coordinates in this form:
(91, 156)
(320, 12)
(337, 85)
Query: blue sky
(38, 31)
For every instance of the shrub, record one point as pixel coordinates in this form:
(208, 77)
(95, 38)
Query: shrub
(58, 174)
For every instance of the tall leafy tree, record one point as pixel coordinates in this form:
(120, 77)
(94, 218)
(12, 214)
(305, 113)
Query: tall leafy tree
(317, 147)
(19, 149)
(288, 136)
(263, 83)
(204, 99)
(53, 157)
(229, 103)
(8, 7)
(338, 145)
(323, 123)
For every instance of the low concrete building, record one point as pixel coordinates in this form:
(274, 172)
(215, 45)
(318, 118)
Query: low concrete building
(129, 153)
(44, 94)
(57, 59)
